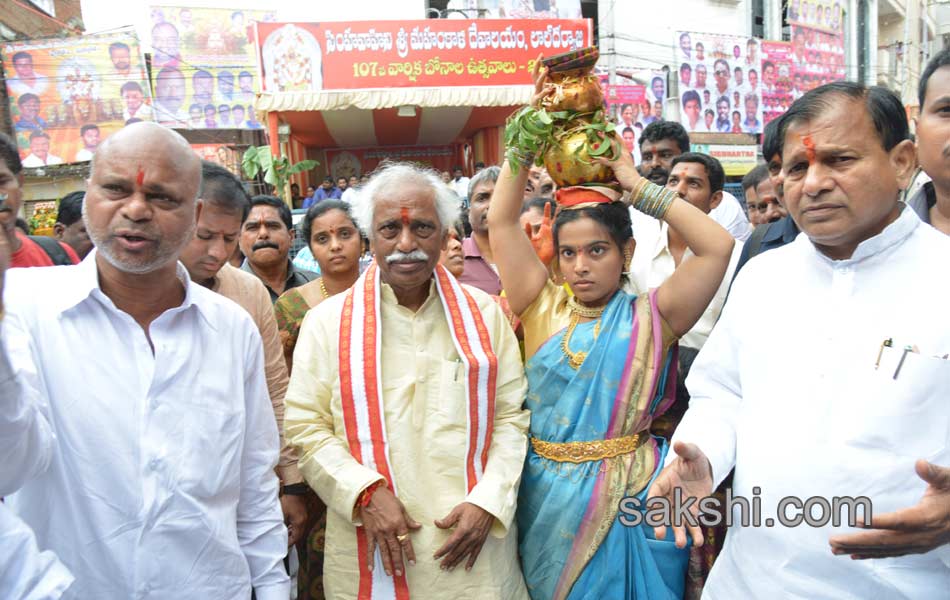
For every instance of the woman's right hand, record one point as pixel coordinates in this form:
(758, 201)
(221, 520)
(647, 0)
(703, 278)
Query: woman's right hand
(540, 76)
(624, 170)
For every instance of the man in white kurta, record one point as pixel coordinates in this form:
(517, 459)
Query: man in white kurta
(25, 570)
(825, 402)
(426, 419)
(654, 261)
(149, 469)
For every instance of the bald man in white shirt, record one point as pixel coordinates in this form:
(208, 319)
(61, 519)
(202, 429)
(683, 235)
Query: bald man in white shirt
(150, 467)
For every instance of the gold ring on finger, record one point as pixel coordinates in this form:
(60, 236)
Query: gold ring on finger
(402, 538)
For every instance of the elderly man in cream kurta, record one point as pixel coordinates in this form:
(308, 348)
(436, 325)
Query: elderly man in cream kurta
(405, 405)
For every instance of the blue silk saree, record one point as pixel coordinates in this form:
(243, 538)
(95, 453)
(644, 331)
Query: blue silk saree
(571, 541)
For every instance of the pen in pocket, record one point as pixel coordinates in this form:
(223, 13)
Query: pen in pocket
(900, 363)
(889, 342)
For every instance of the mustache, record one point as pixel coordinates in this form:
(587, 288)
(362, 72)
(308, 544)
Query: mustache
(657, 175)
(414, 256)
(264, 244)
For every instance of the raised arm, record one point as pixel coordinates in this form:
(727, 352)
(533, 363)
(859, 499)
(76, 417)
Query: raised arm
(685, 295)
(522, 273)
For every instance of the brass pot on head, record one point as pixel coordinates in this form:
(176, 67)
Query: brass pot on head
(574, 88)
(568, 162)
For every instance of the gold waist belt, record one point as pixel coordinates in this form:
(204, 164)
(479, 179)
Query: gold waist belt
(578, 452)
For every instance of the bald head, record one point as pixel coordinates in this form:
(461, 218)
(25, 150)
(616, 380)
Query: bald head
(141, 200)
(146, 143)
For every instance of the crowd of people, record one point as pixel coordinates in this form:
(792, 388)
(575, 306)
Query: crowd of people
(479, 388)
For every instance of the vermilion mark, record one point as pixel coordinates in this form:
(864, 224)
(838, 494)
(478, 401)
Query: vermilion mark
(809, 149)
(404, 213)
(140, 178)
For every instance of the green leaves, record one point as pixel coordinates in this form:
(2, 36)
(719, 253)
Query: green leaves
(530, 132)
(276, 169)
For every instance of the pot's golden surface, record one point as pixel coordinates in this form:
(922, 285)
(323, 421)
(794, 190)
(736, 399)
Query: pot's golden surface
(568, 163)
(577, 93)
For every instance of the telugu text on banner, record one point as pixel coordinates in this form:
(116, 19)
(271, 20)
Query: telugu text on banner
(310, 57)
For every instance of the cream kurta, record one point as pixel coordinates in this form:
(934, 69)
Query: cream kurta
(424, 403)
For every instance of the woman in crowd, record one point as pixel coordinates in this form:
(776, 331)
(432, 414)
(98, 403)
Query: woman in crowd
(598, 369)
(334, 240)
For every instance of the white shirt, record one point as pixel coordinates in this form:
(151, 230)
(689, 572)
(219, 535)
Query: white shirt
(653, 264)
(33, 161)
(798, 407)
(144, 112)
(730, 215)
(349, 195)
(84, 155)
(20, 87)
(150, 475)
(25, 571)
(460, 186)
(166, 116)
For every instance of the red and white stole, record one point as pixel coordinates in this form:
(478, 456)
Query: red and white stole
(363, 410)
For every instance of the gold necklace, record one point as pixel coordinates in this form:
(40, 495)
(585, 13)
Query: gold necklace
(576, 359)
(323, 289)
(580, 310)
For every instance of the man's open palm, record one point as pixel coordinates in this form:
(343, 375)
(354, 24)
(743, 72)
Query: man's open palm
(691, 474)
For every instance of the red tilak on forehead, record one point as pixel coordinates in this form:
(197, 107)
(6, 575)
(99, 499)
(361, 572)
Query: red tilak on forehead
(140, 178)
(809, 148)
(404, 213)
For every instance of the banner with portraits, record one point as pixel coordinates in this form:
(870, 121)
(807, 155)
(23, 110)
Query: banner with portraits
(204, 67)
(68, 94)
(636, 96)
(633, 101)
(719, 82)
(221, 154)
(777, 71)
(818, 53)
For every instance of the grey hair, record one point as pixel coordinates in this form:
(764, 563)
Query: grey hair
(487, 174)
(393, 174)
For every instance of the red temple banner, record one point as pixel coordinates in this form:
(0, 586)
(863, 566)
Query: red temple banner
(298, 57)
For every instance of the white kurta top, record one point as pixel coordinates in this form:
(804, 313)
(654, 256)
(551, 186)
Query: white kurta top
(653, 263)
(800, 409)
(151, 475)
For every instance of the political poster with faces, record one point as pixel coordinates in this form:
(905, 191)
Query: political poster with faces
(222, 154)
(68, 94)
(818, 55)
(777, 71)
(719, 82)
(204, 66)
